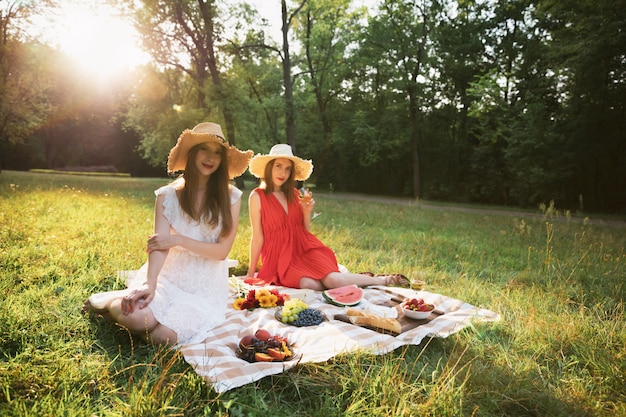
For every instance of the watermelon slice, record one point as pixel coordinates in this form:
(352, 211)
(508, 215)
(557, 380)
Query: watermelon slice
(347, 296)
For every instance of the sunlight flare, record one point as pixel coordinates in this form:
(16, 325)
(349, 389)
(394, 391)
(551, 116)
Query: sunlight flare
(101, 43)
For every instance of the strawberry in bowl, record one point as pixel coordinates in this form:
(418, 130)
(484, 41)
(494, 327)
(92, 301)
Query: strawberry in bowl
(416, 308)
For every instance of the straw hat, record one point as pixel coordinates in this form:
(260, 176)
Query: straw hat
(302, 167)
(207, 133)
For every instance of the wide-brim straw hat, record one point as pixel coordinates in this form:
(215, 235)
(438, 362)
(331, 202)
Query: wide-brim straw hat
(207, 132)
(302, 167)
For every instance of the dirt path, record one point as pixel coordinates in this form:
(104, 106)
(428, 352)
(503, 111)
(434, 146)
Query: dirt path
(425, 205)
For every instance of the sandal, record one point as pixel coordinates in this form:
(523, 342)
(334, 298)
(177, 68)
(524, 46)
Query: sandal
(397, 280)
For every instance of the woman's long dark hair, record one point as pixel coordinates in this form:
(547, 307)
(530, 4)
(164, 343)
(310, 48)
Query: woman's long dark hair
(288, 185)
(216, 202)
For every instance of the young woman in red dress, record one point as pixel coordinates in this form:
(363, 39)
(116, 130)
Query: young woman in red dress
(290, 254)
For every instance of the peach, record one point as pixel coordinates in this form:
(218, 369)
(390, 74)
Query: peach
(246, 342)
(262, 357)
(276, 354)
(262, 335)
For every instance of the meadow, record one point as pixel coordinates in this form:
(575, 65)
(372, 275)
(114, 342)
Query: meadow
(558, 284)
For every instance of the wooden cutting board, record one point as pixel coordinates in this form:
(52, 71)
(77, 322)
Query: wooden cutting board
(405, 322)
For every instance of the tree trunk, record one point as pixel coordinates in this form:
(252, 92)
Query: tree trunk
(209, 58)
(413, 109)
(415, 154)
(290, 124)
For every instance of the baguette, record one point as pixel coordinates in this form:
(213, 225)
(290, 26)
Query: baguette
(363, 318)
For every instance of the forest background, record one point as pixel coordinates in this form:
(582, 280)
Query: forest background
(497, 102)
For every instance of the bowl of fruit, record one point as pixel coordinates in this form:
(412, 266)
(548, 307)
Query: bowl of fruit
(297, 313)
(264, 347)
(416, 308)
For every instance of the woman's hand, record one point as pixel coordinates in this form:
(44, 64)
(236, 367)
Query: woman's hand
(162, 242)
(307, 202)
(137, 298)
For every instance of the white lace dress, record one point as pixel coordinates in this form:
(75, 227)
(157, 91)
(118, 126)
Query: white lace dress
(192, 291)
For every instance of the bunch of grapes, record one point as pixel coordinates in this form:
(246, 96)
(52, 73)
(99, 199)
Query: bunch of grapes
(308, 317)
(291, 309)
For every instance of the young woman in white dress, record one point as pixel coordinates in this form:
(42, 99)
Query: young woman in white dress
(181, 292)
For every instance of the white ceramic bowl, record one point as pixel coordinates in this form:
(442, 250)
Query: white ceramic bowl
(417, 315)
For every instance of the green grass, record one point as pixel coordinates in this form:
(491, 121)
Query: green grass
(559, 287)
(87, 173)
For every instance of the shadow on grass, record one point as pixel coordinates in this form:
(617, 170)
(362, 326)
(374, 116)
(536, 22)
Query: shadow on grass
(525, 393)
(149, 379)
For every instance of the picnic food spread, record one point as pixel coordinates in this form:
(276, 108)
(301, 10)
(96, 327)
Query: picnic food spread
(220, 360)
(264, 347)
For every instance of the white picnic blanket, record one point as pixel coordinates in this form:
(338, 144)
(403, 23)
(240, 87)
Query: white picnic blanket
(215, 359)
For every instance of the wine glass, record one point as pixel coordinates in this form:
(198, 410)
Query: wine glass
(305, 197)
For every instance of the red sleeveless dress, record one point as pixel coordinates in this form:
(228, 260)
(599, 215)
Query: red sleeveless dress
(290, 252)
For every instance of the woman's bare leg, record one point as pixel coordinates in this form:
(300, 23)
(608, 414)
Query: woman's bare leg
(99, 303)
(162, 335)
(140, 322)
(339, 279)
(311, 284)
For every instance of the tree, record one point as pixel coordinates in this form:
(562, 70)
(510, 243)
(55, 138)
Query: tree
(22, 79)
(258, 90)
(325, 31)
(459, 39)
(258, 42)
(185, 35)
(588, 43)
(287, 18)
(158, 112)
(398, 42)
